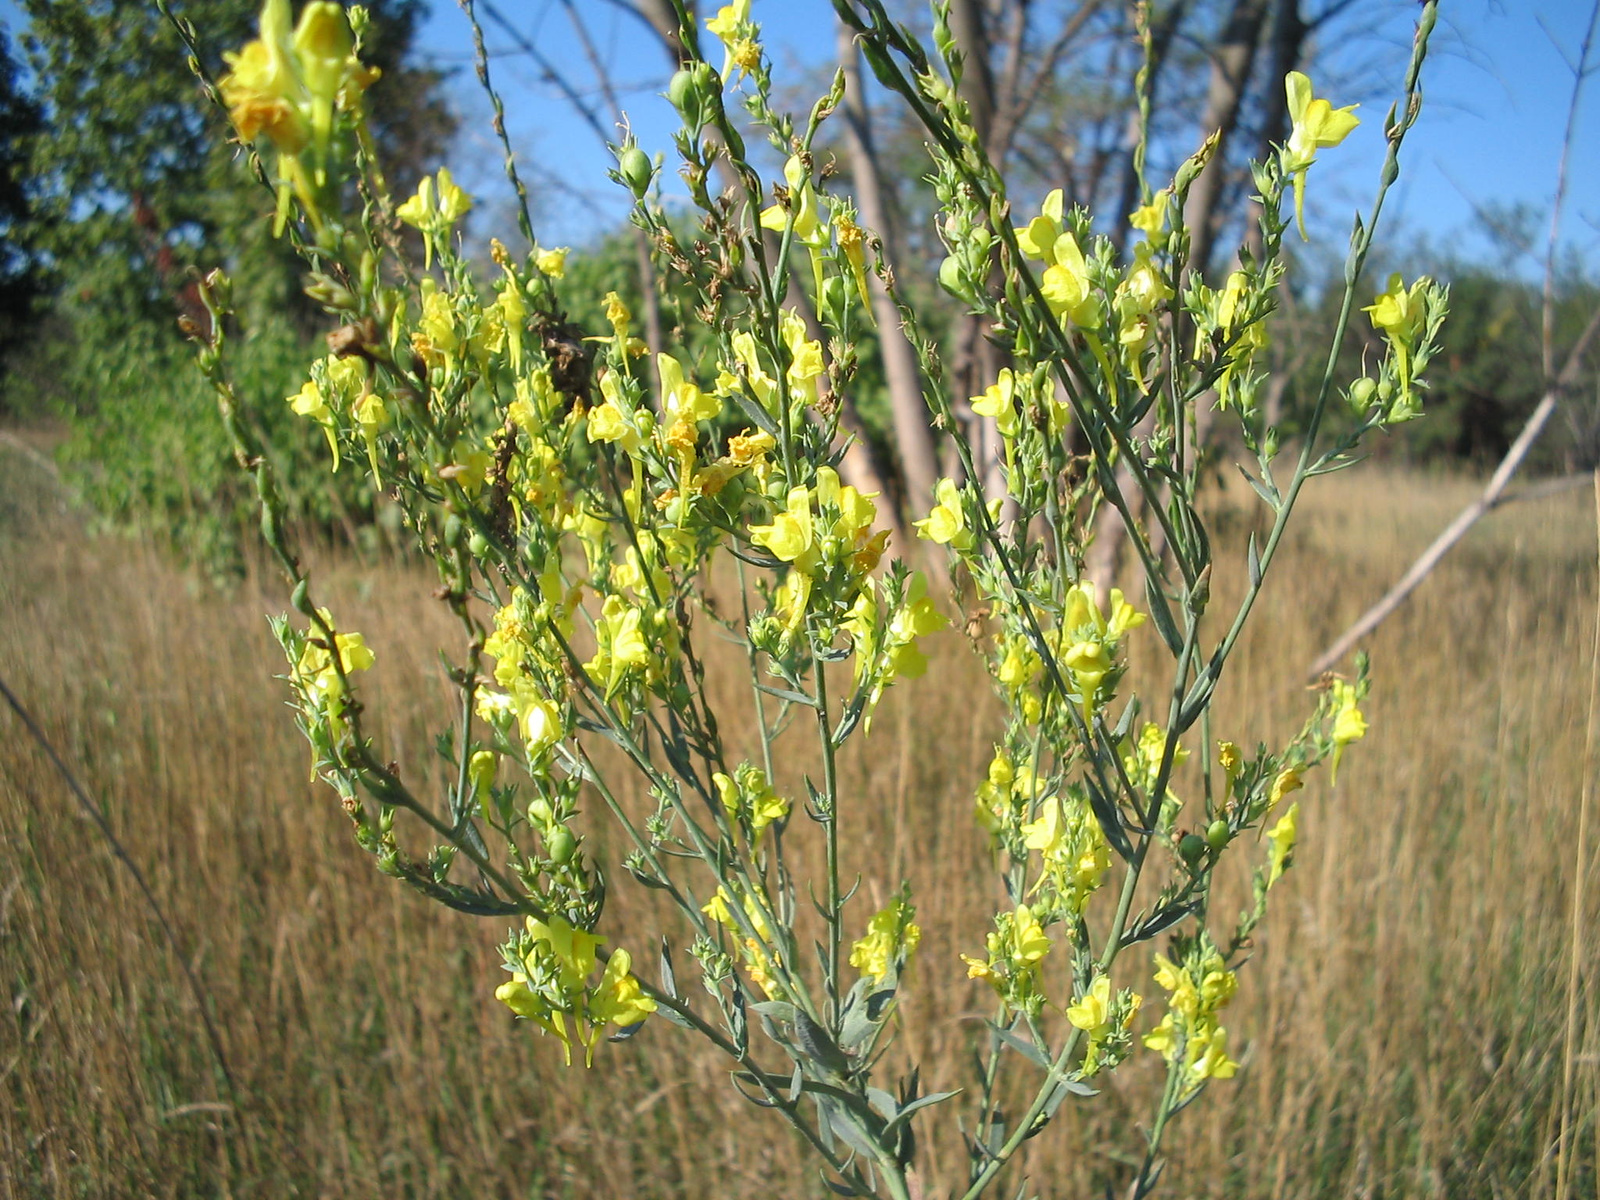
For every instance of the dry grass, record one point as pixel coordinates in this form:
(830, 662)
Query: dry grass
(1401, 1022)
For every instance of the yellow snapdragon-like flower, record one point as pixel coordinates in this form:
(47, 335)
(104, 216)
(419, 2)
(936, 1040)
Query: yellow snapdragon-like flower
(435, 207)
(316, 670)
(999, 402)
(791, 536)
(1400, 314)
(892, 936)
(619, 999)
(1091, 638)
(1282, 836)
(622, 650)
(1150, 219)
(1092, 1012)
(947, 523)
(1028, 943)
(1317, 126)
(1348, 723)
(747, 794)
(552, 262)
(810, 225)
(310, 402)
(286, 86)
(731, 26)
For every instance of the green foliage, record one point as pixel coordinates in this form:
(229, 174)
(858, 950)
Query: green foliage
(136, 192)
(1486, 378)
(152, 457)
(20, 275)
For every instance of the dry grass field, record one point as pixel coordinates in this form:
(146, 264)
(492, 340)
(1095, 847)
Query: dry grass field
(1401, 1026)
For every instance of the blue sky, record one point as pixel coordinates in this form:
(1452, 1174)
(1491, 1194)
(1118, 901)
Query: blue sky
(1497, 90)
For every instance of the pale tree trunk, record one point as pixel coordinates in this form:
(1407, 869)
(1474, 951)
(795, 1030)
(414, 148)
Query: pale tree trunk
(1286, 45)
(858, 467)
(1231, 62)
(974, 361)
(918, 458)
(1161, 35)
(1493, 495)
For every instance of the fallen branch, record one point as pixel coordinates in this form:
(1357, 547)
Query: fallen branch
(1493, 496)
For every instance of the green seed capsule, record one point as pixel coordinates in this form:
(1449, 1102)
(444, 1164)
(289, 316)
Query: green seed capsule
(1191, 848)
(1217, 834)
(684, 93)
(636, 170)
(479, 546)
(560, 844)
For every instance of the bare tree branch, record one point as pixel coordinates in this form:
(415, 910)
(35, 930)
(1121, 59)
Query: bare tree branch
(1469, 516)
(1554, 387)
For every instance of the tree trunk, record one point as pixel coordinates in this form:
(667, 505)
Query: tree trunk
(918, 460)
(1231, 62)
(1287, 44)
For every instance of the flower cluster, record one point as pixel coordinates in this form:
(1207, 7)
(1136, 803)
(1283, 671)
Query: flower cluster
(1189, 1036)
(551, 965)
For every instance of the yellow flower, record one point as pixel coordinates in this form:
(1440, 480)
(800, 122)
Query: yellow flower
(998, 401)
(1092, 1012)
(681, 399)
(891, 934)
(1038, 238)
(717, 909)
(809, 226)
(1348, 723)
(1150, 219)
(1029, 942)
(1282, 837)
(1288, 780)
(1208, 1055)
(1067, 287)
(947, 523)
(791, 536)
(619, 999)
(851, 245)
(731, 26)
(262, 89)
(1317, 126)
(1400, 314)
(751, 795)
(309, 402)
(1229, 759)
(316, 670)
(573, 949)
(553, 262)
(437, 205)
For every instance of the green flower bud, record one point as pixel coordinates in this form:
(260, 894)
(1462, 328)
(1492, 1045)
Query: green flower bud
(300, 598)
